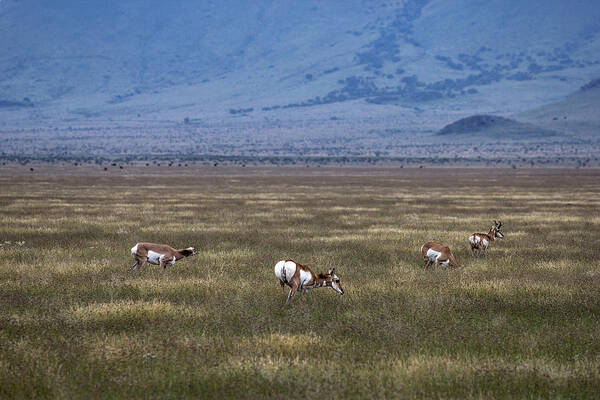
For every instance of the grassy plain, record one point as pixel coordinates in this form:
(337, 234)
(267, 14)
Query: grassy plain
(522, 323)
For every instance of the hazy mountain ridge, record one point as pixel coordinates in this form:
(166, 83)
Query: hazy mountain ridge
(149, 56)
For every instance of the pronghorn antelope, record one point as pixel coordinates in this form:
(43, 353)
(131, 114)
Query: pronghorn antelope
(300, 277)
(438, 253)
(158, 254)
(481, 241)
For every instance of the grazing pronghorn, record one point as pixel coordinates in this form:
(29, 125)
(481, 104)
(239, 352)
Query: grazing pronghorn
(300, 277)
(481, 241)
(158, 254)
(438, 253)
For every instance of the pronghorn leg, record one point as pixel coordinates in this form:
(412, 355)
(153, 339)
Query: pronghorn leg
(282, 285)
(426, 262)
(134, 267)
(293, 289)
(290, 295)
(142, 263)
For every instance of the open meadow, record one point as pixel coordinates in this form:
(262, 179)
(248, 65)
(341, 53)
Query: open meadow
(523, 322)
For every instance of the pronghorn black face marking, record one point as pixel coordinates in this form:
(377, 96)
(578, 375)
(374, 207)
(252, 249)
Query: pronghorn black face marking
(190, 251)
(497, 233)
(335, 282)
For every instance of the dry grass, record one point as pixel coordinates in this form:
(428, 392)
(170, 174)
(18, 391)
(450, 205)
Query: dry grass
(523, 322)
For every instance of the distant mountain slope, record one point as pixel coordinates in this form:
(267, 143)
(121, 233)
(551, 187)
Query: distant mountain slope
(130, 59)
(578, 113)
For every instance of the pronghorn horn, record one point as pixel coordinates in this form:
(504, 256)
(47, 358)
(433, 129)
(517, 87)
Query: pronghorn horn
(499, 224)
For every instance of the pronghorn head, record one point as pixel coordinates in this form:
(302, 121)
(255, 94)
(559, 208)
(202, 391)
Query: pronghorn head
(497, 232)
(335, 281)
(190, 251)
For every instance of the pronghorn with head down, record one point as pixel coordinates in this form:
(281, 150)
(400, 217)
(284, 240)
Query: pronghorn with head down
(158, 254)
(481, 241)
(438, 253)
(301, 277)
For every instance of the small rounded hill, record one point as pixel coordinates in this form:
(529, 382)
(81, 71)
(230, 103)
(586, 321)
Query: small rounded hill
(493, 126)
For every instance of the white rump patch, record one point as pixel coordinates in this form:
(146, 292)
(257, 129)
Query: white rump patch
(279, 270)
(284, 270)
(134, 250)
(290, 270)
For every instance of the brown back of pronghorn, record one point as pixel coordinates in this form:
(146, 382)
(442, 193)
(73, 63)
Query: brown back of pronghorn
(438, 253)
